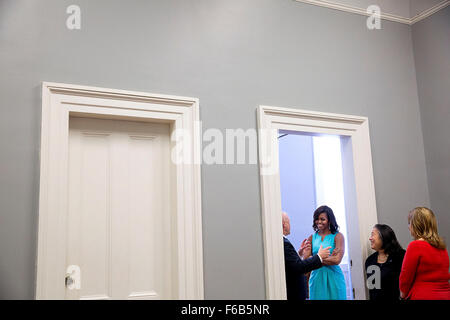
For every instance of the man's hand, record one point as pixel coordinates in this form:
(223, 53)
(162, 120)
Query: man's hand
(324, 253)
(305, 248)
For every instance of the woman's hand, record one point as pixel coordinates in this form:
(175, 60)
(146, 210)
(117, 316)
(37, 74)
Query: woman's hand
(305, 249)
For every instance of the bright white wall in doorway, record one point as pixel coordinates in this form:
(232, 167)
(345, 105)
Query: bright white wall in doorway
(329, 184)
(329, 178)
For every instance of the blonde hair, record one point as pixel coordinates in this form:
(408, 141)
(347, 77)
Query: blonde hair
(424, 226)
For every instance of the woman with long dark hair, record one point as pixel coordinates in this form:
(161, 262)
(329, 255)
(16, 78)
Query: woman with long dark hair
(328, 282)
(383, 267)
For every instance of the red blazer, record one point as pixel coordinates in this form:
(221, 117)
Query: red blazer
(424, 274)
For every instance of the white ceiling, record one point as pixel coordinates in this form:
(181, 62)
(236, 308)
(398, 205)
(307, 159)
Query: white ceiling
(419, 6)
(405, 11)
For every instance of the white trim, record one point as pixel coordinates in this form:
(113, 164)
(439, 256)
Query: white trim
(357, 10)
(272, 119)
(58, 101)
(384, 15)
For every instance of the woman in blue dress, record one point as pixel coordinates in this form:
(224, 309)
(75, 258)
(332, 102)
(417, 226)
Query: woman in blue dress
(328, 282)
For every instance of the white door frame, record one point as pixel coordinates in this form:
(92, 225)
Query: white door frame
(59, 101)
(272, 119)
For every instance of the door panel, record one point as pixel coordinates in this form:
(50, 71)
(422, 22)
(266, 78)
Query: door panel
(119, 212)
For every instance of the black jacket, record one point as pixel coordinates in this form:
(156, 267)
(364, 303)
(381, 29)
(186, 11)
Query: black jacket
(389, 274)
(295, 269)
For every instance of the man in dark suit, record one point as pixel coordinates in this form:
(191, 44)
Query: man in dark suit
(295, 267)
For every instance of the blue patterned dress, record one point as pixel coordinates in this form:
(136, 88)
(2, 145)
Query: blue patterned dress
(327, 282)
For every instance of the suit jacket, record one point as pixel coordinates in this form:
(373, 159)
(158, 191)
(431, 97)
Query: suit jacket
(295, 269)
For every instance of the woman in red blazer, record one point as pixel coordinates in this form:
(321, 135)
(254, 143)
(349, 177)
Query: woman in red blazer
(424, 274)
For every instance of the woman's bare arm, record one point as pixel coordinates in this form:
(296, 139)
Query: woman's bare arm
(336, 257)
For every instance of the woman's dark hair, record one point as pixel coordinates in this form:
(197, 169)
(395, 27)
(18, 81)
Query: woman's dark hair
(390, 242)
(331, 218)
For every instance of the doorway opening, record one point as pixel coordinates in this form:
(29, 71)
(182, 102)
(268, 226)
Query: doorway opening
(311, 175)
(358, 187)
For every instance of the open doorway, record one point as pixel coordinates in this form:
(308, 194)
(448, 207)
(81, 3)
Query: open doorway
(357, 183)
(311, 175)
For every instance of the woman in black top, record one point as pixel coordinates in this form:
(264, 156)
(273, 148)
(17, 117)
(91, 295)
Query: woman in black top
(383, 267)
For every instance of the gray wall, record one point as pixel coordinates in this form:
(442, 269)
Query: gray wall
(234, 55)
(432, 56)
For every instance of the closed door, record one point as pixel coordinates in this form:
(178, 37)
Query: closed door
(119, 224)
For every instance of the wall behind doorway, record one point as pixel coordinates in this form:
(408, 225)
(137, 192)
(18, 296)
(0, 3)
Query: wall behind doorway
(297, 185)
(233, 55)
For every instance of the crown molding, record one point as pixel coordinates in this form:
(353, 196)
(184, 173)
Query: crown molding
(357, 10)
(384, 15)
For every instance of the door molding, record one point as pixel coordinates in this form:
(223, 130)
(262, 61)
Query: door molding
(59, 101)
(272, 119)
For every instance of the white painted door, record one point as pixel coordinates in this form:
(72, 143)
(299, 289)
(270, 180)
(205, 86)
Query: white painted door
(119, 225)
